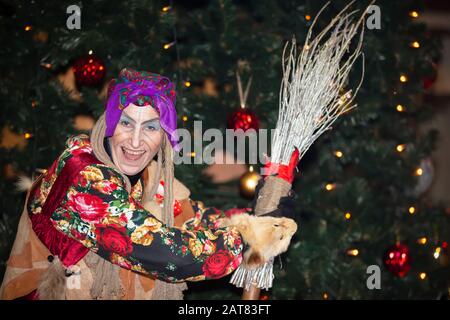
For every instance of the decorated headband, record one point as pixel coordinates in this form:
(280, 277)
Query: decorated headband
(142, 89)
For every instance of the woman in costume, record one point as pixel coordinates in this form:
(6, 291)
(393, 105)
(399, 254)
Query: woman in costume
(84, 232)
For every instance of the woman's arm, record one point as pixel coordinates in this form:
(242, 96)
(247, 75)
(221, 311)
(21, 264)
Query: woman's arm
(100, 214)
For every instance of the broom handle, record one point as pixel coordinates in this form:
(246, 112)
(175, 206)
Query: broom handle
(268, 198)
(251, 294)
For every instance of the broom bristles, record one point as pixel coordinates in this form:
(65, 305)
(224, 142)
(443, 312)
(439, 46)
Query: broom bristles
(311, 96)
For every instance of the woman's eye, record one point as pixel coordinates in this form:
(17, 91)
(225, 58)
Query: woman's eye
(152, 127)
(125, 123)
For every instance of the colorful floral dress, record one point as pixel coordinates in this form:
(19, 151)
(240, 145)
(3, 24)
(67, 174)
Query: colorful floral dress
(98, 212)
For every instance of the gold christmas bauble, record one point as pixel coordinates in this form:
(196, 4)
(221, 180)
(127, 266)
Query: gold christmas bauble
(247, 184)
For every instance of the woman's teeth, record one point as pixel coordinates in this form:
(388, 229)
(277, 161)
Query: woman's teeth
(132, 155)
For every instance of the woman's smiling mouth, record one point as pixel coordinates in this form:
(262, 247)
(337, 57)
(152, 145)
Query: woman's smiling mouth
(132, 155)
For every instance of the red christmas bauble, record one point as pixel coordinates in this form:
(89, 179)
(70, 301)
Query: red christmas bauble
(243, 119)
(397, 260)
(428, 82)
(89, 71)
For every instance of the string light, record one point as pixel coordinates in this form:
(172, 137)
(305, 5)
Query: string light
(415, 44)
(168, 45)
(325, 295)
(412, 210)
(414, 14)
(338, 154)
(308, 17)
(28, 135)
(419, 172)
(437, 252)
(166, 8)
(46, 65)
(400, 148)
(348, 215)
(400, 108)
(403, 78)
(330, 186)
(33, 104)
(90, 52)
(422, 275)
(422, 240)
(187, 84)
(184, 118)
(353, 252)
(193, 154)
(28, 28)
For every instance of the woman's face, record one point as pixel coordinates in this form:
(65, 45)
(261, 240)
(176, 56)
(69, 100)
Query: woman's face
(137, 139)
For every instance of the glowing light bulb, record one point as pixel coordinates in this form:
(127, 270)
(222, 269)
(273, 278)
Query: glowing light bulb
(415, 44)
(325, 295)
(400, 108)
(353, 252)
(437, 252)
(168, 45)
(90, 52)
(193, 154)
(348, 215)
(185, 118)
(414, 14)
(403, 78)
(338, 154)
(166, 8)
(412, 210)
(308, 17)
(400, 148)
(28, 135)
(422, 275)
(419, 172)
(28, 28)
(187, 84)
(330, 186)
(422, 240)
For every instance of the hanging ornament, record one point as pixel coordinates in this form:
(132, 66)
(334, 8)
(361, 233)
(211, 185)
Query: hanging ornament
(89, 71)
(243, 118)
(397, 260)
(429, 81)
(248, 182)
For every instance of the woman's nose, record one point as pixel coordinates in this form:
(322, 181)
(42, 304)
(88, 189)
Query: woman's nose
(136, 139)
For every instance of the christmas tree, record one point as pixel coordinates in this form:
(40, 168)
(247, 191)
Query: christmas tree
(359, 192)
